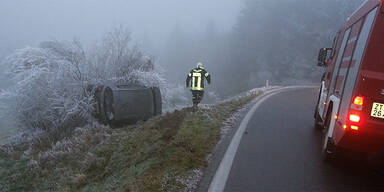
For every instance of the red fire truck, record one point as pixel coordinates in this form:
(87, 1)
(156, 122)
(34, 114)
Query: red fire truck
(350, 108)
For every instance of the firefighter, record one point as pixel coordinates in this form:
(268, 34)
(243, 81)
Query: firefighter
(195, 80)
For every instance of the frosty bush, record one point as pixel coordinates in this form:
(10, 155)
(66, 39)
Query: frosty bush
(49, 90)
(176, 97)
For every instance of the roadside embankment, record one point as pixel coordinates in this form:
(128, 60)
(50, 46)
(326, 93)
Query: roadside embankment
(167, 153)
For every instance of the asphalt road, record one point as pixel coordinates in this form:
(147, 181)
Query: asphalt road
(281, 152)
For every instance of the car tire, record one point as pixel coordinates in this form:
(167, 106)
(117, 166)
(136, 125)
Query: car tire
(157, 101)
(108, 105)
(102, 118)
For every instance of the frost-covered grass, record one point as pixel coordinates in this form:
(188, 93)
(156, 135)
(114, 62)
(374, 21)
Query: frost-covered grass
(177, 96)
(167, 153)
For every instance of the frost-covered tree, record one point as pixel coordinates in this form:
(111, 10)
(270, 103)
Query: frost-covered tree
(49, 82)
(117, 59)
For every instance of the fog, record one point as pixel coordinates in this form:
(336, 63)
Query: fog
(243, 43)
(69, 66)
(28, 22)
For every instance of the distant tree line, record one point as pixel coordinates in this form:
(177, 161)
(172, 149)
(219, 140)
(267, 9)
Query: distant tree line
(276, 40)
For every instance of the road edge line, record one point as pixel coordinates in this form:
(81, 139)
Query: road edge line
(220, 178)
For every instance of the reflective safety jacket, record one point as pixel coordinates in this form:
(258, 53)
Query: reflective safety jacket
(196, 79)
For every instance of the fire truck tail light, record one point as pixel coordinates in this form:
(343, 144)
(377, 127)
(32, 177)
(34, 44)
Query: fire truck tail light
(354, 118)
(358, 101)
(353, 127)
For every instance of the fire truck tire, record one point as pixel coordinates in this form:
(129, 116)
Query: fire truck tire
(328, 151)
(317, 103)
(318, 123)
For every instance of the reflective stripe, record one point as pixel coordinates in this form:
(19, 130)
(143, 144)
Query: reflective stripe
(190, 75)
(206, 74)
(193, 82)
(197, 89)
(199, 81)
(196, 76)
(197, 70)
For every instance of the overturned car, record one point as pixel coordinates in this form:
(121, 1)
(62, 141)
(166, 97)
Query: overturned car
(125, 103)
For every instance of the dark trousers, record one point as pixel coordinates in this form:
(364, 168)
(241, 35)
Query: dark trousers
(197, 96)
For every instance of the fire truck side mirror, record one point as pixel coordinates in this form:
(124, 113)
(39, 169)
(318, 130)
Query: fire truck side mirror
(324, 54)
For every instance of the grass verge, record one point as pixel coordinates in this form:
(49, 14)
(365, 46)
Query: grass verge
(164, 154)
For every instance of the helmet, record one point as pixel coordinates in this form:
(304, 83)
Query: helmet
(199, 65)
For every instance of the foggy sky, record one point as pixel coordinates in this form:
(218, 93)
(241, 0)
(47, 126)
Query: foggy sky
(28, 22)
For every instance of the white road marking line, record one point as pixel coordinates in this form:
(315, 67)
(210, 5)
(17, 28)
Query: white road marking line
(222, 173)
